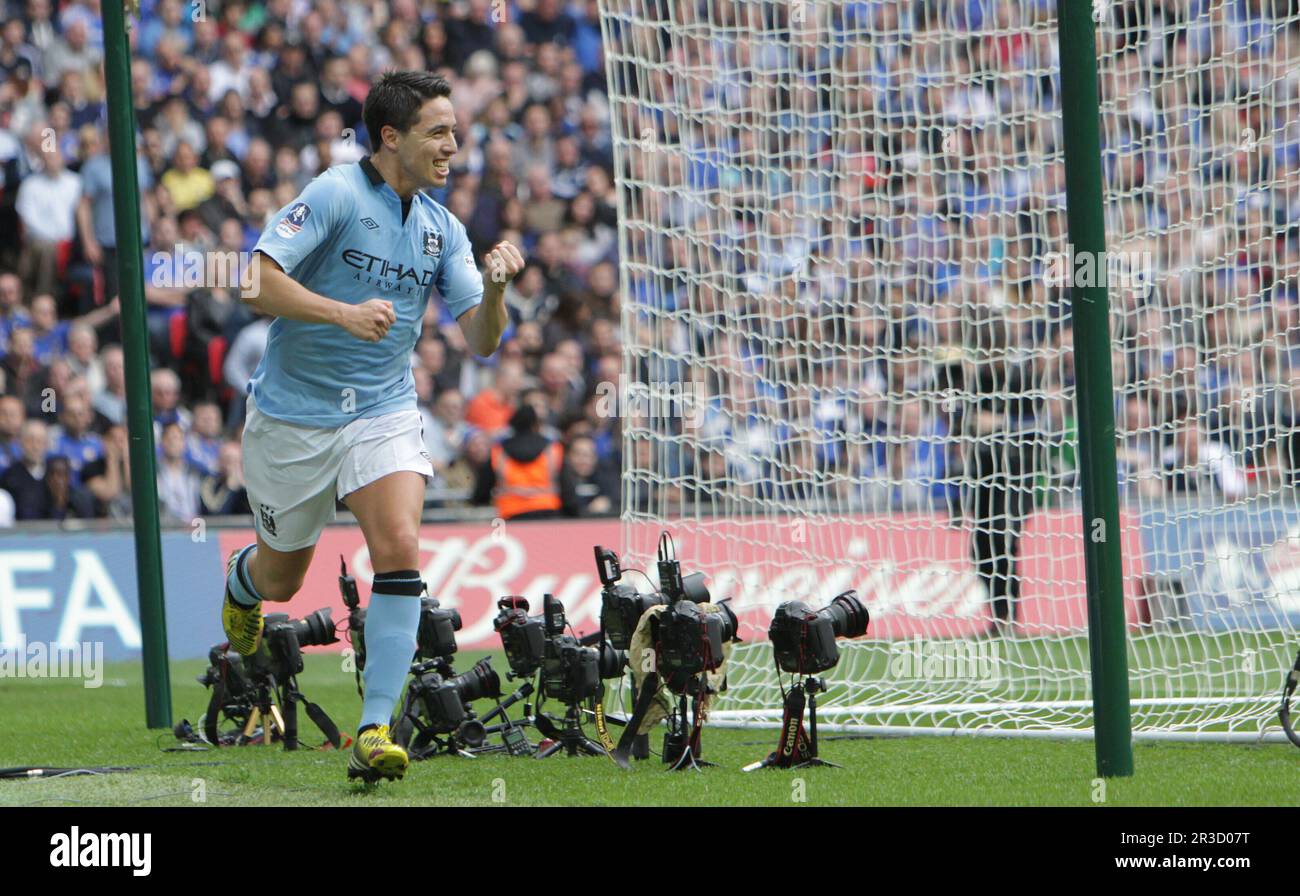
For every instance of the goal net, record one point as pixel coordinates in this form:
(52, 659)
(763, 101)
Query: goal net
(844, 265)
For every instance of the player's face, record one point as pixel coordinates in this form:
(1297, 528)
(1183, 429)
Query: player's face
(426, 149)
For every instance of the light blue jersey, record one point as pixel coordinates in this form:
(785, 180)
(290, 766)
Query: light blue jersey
(344, 238)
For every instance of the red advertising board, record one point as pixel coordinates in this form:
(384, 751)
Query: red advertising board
(915, 572)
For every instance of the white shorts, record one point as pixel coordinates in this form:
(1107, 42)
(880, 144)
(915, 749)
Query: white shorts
(294, 474)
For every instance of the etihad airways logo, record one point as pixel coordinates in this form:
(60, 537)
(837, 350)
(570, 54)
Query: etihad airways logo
(394, 274)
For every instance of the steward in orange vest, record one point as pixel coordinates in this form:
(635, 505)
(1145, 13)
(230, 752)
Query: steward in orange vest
(523, 473)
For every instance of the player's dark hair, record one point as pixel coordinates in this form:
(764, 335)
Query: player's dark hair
(395, 101)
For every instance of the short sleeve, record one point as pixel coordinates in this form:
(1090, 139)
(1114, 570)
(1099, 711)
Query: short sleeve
(303, 225)
(459, 281)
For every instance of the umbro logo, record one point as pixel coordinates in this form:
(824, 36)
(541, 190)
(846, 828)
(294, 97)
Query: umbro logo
(370, 223)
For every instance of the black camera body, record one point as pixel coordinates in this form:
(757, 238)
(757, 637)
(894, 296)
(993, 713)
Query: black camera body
(284, 639)
(621, 606)
(227, 666)
(690, 641)
(444, 698)
(436, 636)
(523, 637)
(570, 671)
(804, 640)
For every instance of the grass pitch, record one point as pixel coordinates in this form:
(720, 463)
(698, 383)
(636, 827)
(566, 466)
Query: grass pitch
(57, 722)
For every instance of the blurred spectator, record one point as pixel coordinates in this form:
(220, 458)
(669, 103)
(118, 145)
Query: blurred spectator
(12, 417)
(490, 409)
(24, 479)
(187, 184)
(203, 441)
(110, 399)
(178, 481)
(242, 359)
(12, 312)
(73, 439)
(918, 462)
(95, 216)
(72, 52)
(445, 430)
(223, 493)
(109, 478)
(81, 356)
(167, 409)
(47, 206)
(521, 477)
(23, 375)
(1199, 466)
(587, 487)
(462, 474)
(67, 499)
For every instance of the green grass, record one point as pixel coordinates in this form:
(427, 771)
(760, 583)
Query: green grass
(57, 722)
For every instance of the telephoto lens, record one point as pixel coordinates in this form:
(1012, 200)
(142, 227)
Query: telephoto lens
(804, 640)
(480, 682)
(315, 629)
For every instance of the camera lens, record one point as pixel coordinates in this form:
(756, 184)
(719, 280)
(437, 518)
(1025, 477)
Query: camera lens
(612, 662)
(479, 682)
(730, 624)
(315, 629)
(848, 615)
(694, 589)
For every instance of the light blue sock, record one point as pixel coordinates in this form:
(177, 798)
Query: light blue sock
(391, 624)
(240, 580)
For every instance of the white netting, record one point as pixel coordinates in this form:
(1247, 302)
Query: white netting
(843, 226)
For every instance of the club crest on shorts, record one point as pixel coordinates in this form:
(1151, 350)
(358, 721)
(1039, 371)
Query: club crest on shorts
(291, 224)
(267, 516)
(433, 244)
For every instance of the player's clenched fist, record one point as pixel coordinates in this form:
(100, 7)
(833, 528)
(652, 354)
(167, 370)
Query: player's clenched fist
(504, 262)
(370, 320)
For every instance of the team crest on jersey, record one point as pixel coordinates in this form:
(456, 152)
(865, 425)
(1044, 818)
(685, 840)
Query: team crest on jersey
(268, 519)
(433, 244)
(293, 220)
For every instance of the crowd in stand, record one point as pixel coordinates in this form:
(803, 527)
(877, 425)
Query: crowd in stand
(934, 172)
(884, 290)
(238, 105)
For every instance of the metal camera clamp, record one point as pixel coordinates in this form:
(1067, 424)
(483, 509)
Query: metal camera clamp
(798, 746)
